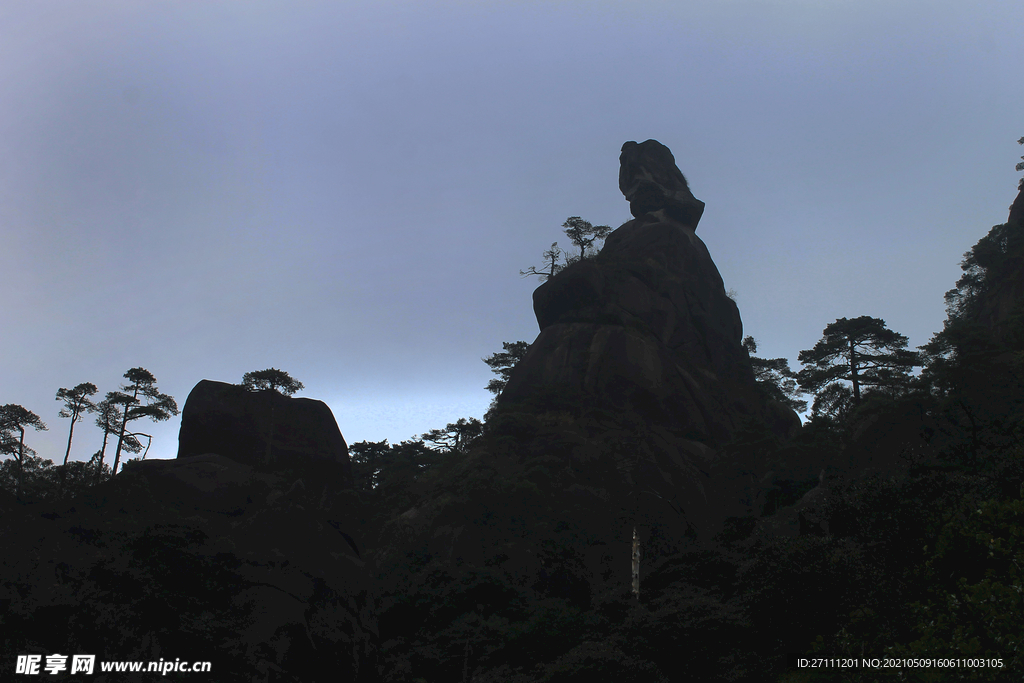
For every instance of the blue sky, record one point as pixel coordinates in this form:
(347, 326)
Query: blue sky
(348, 190)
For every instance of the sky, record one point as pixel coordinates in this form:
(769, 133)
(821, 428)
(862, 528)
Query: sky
(347, 191)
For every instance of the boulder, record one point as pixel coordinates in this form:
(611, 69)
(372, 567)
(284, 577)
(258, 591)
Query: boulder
(263, 429)
(651, 181)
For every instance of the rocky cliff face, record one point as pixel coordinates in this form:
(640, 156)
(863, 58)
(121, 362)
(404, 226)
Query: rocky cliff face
(646, 325)
(626, 410)
(1000, 306)
(1017, 208)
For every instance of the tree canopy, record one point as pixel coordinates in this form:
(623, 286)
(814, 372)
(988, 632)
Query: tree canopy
(974, 365)
(861, 351)
(272, 379)
(108, 419)
(503, 362)
(456, 436)
(774, 376)
(76, 404)
(986, 263)
(583, 234)
(15, 418)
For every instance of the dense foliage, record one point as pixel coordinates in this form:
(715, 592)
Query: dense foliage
(272, 379)
(861, 351)
(775, 378)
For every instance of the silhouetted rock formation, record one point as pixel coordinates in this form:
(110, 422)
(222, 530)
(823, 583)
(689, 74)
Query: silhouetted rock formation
(647, 326)
(1017, 209)
(651, 181)
(638, 380)
(200, 558)
(263, 429)
(634, 409)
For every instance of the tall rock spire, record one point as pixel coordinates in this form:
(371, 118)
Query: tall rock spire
(644, 334)
(646, 325)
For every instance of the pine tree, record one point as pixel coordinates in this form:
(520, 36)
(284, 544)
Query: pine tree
(15, 418)
(273, 379)
(861, 351)
(775, 378)
(158, 407)
(76, 404)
